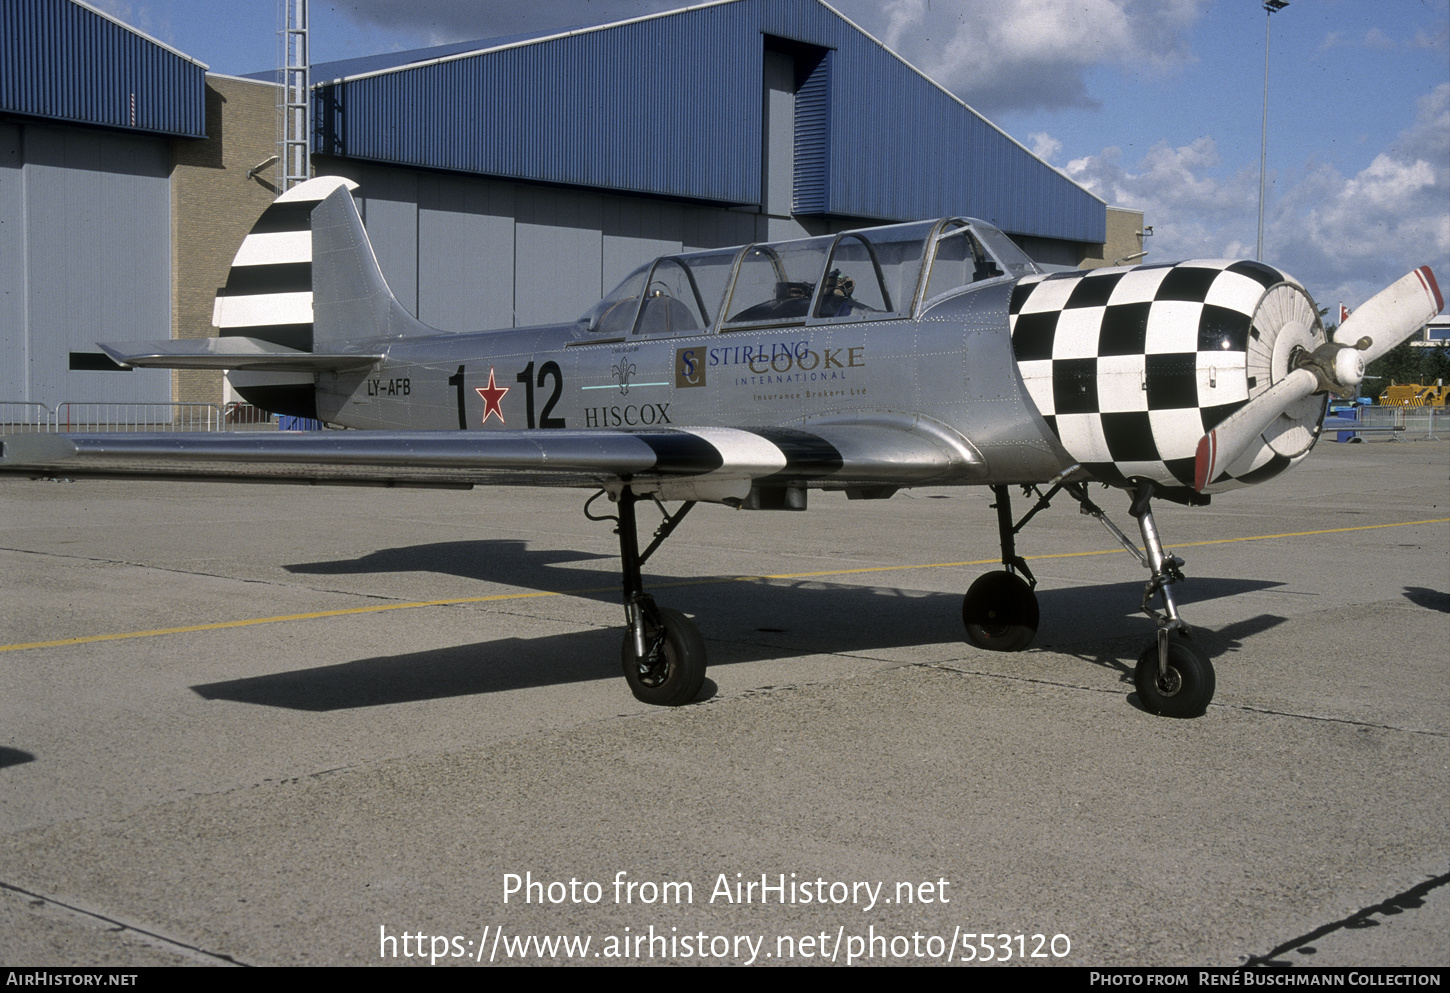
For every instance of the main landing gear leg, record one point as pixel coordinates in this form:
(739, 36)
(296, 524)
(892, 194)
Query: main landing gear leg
(1000, 610)
(1172, 677)
(663, 653)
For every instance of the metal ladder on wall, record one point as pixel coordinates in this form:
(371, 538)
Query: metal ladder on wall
(294, 101)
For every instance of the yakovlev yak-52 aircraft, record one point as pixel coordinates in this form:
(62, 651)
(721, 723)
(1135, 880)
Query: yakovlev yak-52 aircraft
(933, 353)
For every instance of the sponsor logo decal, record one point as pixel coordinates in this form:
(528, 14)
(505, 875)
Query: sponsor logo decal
(627, 416)
(621, 371)
(689, 367)
(786, 362)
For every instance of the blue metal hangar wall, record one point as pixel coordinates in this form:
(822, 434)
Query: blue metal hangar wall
(89, 109)
(515, 181)
(503, 182)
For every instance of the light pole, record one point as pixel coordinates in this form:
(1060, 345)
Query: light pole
(1271, 7)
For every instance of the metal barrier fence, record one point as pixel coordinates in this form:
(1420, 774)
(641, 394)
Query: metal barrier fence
(71, 416)
(238, 412)
(89, 416)
(1418, 422)
(19, 417)
(1397, 423)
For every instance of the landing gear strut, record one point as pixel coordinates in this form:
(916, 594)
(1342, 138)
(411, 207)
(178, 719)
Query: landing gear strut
(663, 653)
(1173, 678)
(1000, 610)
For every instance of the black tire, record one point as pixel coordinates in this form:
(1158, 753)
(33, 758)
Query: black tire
(1000, 612)
(676, 679)
(1187, 687)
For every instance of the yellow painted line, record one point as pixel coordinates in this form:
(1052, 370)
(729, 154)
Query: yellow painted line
(271, 620)
(1055, 555)
(315, 615)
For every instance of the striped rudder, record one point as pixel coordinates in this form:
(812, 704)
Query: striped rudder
(269, 289)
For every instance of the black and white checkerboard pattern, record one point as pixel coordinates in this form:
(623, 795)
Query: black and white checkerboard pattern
(1130, 366)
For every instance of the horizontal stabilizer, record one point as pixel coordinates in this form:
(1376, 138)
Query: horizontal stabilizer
(231, 353)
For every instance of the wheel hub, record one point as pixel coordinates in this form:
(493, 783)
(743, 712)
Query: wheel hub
(1170, 682)
(654, 670)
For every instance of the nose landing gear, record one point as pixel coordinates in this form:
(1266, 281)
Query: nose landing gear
(1173, 677)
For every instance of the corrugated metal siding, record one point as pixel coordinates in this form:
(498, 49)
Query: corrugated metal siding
(62, 61)
(621, 108)
(86, 257)
(812, 139)
(14, 341)
(671, 106)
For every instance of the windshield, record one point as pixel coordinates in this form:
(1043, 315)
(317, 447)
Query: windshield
(614, 315)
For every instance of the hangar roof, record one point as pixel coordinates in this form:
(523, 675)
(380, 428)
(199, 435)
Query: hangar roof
(671, 105)
(66, 60)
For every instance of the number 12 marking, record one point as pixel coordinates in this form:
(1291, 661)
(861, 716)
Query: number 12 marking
(548, 370)
(526, 377)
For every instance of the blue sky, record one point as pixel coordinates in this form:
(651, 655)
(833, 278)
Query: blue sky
(1152, 104)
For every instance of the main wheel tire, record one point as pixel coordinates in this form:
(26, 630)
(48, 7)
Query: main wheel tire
(1000, 612)
(1184, 690)
(675, 679)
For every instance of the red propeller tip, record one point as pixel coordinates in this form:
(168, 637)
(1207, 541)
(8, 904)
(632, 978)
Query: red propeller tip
(1428, 279)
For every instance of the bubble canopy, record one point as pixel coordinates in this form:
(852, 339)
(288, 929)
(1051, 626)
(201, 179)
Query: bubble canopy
(871, 274)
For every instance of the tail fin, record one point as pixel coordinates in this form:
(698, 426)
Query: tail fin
(306, 276)
(350, 298)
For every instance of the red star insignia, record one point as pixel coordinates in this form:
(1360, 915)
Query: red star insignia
(492, 397)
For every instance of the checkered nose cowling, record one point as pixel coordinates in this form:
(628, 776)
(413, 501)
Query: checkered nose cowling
(1131, 366)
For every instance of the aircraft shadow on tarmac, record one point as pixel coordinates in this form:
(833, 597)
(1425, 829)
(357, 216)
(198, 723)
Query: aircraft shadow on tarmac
(14, 756)
(1430, 599)
(742, 621)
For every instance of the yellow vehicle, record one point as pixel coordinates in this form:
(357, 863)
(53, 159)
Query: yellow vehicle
(1415, 395)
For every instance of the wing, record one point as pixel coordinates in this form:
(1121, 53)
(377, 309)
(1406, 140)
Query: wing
(705, 463)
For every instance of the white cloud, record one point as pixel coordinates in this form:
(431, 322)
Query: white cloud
(1345, 237)
(144, 17)
(1043, 145)
(1024, 54)
(1375, 38)
(1424, 40)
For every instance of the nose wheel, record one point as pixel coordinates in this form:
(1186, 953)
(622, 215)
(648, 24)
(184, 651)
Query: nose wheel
(1181, 686)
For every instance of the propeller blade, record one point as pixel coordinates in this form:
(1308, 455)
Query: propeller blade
(1222, 446)
(1386, 319)
(1394, 313)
